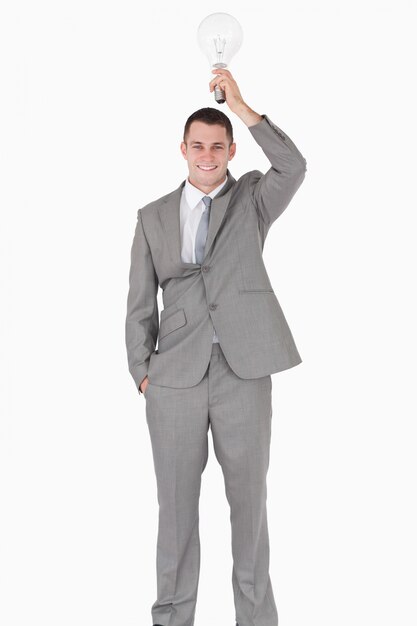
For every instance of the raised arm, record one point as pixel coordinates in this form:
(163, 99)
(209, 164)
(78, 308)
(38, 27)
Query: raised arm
(270, 192)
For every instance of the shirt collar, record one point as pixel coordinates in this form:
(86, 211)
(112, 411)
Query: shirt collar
(194, 195)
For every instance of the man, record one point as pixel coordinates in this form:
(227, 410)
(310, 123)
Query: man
(221, 335)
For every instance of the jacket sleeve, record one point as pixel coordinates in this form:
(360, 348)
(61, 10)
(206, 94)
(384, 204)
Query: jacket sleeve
(272, 192)
(142, 319)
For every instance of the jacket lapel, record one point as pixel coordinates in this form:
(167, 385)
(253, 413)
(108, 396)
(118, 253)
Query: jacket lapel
(169, 214)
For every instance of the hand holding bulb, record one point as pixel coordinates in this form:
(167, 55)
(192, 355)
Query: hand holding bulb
(228, 85)
(234, 99)
(219, 36)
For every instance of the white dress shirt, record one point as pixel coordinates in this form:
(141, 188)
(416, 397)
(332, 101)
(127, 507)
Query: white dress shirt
(191, 210)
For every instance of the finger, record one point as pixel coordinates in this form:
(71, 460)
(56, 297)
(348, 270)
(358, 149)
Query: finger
(224, 73)
(224, 77)
(216, 81)
(220, 84)
(220, 75)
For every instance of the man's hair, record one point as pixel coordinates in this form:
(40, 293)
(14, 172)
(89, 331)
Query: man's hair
(208, 115)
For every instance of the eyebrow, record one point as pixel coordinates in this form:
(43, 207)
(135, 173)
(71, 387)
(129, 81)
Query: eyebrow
(215, 143)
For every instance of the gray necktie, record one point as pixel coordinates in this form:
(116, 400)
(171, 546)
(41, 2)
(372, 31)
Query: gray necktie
(201, 236)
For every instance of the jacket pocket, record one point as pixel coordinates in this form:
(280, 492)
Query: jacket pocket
(172, 322)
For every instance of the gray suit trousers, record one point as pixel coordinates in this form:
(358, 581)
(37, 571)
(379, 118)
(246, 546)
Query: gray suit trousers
(239, 412)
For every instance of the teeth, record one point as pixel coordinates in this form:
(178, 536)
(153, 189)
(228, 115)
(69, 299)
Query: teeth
(207, 167)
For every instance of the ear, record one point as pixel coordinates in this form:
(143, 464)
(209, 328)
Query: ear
(232, 151)
(183, 149)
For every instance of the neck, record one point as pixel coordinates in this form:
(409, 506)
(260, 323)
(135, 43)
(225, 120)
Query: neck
(208, 189)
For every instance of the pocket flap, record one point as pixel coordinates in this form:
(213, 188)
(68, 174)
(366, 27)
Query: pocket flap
(172, 322)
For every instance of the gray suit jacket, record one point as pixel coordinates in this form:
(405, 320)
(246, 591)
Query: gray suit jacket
(230, 289)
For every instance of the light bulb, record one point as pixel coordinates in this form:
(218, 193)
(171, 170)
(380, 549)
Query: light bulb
(219, 36)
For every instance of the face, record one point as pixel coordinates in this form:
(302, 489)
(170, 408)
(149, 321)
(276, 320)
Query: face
(207, 153)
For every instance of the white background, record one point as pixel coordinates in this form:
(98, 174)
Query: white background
(94, 99)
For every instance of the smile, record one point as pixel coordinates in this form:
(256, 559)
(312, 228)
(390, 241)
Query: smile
(207, 168)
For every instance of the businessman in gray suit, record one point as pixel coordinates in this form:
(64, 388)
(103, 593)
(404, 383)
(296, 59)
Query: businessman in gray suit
(221, 334)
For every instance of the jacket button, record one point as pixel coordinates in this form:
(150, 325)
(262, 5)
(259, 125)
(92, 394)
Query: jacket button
(212, 307)
(205, 268)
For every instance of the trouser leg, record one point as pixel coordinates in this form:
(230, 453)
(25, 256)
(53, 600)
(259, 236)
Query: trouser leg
(240, 413)
(178, 426)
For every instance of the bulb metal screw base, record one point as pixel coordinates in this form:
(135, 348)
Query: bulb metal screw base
(219, 95)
